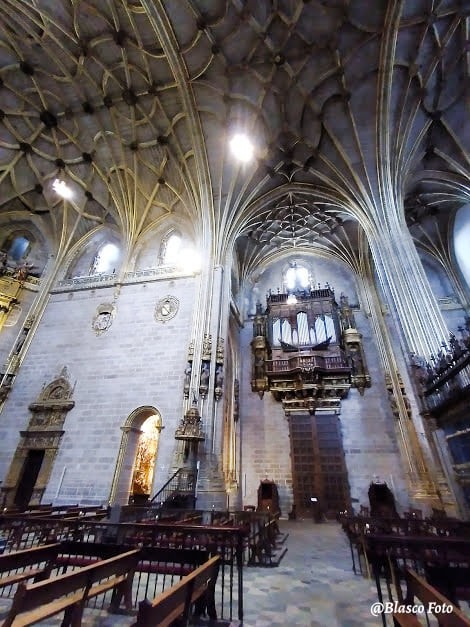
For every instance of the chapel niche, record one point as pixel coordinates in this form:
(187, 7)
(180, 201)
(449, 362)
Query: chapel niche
(32, 463)
(144, 466)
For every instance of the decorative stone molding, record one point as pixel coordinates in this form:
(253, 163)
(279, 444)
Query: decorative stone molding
(207, 347)
(106, 280)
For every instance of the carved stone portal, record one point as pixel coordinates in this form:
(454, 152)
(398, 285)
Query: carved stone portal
(32, 463)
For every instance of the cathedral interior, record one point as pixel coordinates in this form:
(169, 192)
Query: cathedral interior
(235, 252)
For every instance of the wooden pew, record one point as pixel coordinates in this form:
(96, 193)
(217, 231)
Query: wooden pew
(429, 597)
(175, 603)
(446, 559)
(70, 592)
(36, 563)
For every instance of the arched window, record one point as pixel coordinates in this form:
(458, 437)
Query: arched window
(296, 278)
(171, 249)
(17, 247)
(105, 259)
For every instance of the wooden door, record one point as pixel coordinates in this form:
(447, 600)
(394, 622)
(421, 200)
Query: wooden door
(318, 467)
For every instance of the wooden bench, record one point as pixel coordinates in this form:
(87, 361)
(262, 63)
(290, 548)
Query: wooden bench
(175, 603)
(70, 592)
(430, 598)
(36, 563)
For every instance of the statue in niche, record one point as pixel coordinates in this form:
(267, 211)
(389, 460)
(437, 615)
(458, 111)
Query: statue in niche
(236, 400)
(187, 378)
(347, 316)
(205, 374)
(355, 360)
(259, 366)
(219, 381)
(393, 403)
(204, 380)
(219, 376)
(21, 340)
(259, 323)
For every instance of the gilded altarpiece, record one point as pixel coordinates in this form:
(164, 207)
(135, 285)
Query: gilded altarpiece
(145, 458)
(32, 463)
(10, 289)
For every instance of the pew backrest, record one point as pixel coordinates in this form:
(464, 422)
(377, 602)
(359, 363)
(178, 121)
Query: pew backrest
(38, 601)
(430, 599)
(176, 601)
(27, 563)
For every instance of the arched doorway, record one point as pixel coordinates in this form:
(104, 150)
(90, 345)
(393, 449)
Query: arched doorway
(136, 463)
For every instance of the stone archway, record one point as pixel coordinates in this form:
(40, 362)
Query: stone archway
(135, 465)
(32, 463)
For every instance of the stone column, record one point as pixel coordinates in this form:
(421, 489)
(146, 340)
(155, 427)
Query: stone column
(211, 487)
(403, 279)
(406, 285)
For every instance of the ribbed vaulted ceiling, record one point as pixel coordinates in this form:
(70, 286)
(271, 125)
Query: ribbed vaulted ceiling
(358, 111)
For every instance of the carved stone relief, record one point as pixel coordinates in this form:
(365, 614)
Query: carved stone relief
(166, 309)
(103, 318)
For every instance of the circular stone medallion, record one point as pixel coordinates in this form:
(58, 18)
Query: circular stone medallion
(166, 308)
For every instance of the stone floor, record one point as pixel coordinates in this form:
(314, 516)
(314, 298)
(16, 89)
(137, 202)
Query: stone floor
(314, 585)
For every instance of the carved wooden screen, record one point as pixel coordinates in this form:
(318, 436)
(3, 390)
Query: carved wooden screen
(318, 467)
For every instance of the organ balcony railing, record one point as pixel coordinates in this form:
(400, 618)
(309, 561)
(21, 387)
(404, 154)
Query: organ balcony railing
(306, 363)
(445, 380)
(301, 295)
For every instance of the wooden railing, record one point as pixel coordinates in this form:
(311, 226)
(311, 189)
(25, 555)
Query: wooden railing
(437, 548)
(305, 362)
(25, 531)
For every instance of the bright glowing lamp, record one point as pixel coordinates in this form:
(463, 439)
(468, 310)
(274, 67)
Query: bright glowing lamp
(61, 188)
(242, 148)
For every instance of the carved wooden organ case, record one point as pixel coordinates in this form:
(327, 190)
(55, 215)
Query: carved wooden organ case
(307, 351)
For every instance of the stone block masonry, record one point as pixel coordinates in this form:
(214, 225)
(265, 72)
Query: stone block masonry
(136, 362)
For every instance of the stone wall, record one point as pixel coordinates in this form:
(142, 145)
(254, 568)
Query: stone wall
(137, 361)
(367, 424)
